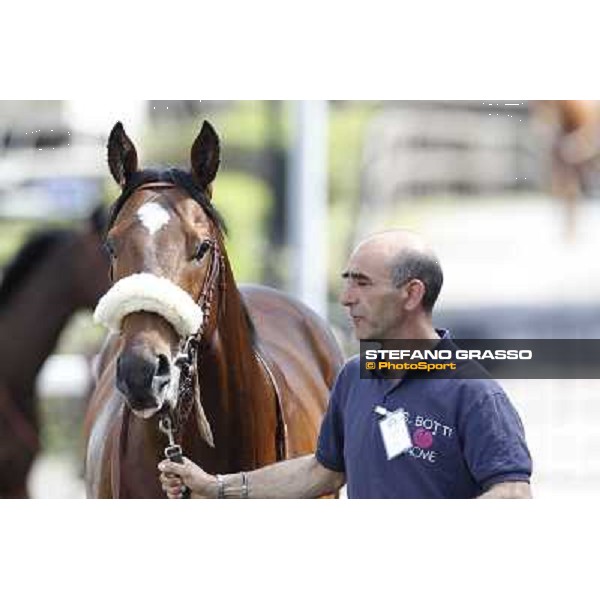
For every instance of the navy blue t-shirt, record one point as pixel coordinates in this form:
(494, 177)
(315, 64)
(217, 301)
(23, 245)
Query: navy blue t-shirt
(466, 436)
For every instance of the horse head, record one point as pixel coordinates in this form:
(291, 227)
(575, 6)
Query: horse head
(89, 274)
(165, 243)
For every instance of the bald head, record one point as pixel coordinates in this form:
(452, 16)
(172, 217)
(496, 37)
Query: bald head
(407, 256)
(389, 244)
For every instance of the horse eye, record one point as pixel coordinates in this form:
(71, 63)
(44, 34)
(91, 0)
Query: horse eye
(109, 248)
(201, 250)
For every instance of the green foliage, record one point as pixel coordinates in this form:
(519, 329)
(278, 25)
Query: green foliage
(244, 202)
(347, 128)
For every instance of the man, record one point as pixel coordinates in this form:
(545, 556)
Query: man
(467, 439)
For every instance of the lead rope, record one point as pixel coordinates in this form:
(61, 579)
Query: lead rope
(186, 360)
(173, 451)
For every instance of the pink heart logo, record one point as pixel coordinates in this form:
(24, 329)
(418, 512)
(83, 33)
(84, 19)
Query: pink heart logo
(422, 438)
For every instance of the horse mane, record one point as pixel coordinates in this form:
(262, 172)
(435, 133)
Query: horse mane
(170, 175)
(38, 245)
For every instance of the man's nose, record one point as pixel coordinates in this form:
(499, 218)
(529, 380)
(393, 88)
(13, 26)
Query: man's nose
(347, 297)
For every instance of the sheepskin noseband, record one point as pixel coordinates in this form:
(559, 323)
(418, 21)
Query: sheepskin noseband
(150, 293)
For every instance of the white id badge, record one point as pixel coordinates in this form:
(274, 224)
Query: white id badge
(394, 433)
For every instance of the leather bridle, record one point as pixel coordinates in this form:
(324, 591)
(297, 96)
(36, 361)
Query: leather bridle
(189, 350)
(172, 419)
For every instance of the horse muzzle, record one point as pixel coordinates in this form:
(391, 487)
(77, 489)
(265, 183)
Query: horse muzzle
(145, 380)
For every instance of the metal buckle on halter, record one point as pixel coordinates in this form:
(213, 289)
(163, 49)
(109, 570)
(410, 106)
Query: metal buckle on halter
(174, 453)
(185, 355)
(166, 426)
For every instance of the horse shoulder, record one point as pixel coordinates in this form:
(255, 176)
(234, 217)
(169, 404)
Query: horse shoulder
(303, 357)
(287, 327)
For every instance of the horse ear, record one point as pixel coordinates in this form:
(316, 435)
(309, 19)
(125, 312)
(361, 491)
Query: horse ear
(206, 156)
(122, 156)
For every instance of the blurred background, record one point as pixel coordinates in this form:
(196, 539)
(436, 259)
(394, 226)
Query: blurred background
(505, 190)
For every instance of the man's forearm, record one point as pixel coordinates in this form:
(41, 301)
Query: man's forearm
(508, 490)
(302, 477)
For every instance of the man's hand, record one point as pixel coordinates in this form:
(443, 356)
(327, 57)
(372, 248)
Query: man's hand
(174, 476)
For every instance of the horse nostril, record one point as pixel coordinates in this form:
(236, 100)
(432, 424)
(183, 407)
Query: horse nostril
(121, 376)
(163, 368)
(162, 375)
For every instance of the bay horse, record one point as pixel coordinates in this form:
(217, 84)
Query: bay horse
(56, 272)
(239, 377)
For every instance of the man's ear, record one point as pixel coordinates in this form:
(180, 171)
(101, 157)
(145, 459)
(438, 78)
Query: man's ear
(414, 290)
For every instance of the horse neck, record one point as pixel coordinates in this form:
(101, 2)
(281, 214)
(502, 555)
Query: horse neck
(231, 386)
(32, 321)
(232, 327)
(235, 394)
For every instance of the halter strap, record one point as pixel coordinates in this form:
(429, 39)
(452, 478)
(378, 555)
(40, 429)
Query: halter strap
(154, 185)
(190, 354)
(208, 289)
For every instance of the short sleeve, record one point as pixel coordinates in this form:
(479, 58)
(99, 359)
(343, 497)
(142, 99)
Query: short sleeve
(494, 441)
(330, 446)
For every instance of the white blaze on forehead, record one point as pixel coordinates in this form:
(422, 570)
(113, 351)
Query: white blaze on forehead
(153, 216)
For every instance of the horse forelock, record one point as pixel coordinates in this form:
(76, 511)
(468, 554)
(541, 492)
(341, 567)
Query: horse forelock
(178, 178)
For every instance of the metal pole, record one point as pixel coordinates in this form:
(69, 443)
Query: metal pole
(307, 204)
